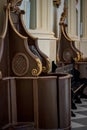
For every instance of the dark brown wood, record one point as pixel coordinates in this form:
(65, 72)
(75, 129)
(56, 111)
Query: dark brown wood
(12, 85)
(25, 95)
(66, 46)
(38, 99)
(68, 49)
(19, 47)
(4, 101)
(35, 97)
(47, 102)
(64, 100)
(73, 42)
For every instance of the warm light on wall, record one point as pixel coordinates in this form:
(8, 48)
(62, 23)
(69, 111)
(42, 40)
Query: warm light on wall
(57, 2)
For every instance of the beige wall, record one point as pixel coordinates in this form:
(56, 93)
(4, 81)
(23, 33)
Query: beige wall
(44, 28)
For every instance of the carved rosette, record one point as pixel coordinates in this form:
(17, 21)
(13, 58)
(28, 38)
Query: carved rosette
(38, 70)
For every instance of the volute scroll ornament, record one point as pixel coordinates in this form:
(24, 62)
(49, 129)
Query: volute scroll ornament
(78, 57)
(38, 70)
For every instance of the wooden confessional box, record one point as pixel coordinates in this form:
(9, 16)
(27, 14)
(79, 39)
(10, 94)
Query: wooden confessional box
(28, 93)
(68, 50)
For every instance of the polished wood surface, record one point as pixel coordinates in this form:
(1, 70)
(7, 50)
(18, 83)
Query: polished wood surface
(66, 46)
(39, 99)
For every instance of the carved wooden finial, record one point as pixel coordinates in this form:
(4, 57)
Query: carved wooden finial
(14, 6)
(15, 2)
(57, 2)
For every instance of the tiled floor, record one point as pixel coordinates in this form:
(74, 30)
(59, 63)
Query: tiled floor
(80, 121)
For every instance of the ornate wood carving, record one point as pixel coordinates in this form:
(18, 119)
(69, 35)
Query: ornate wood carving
(23, 97)
(18, 31)
(66, 46)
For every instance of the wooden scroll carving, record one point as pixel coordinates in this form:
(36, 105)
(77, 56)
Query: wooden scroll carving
(32, 41)
(25, 94)
(16, 34)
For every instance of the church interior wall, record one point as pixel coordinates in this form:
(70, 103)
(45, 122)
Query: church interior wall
(47, 25)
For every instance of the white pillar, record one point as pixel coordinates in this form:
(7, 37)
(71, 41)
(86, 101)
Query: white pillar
(72, 18)
(38, 14)
(84, 17)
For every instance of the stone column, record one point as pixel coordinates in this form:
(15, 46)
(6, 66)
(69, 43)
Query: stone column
(72, 18)
(84, 17)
